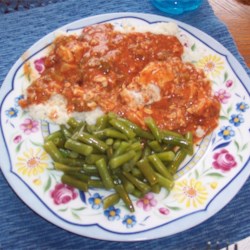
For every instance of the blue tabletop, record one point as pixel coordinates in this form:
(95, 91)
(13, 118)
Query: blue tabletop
(21, 228)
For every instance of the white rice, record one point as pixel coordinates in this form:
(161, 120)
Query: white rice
(55, 111)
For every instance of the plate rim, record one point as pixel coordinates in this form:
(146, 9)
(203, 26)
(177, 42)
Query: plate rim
(146, 17)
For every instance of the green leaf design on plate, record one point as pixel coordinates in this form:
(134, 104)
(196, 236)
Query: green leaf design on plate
(193, 47)
(237, 145)
(174, 208)
(222, 117)
(241, 158)
(19, 147)
(229, 109)
(225, 76)
(75, 215)
(63, 209)
(37, 144)
(216, 175)
(244, 146)
(47, 185)
(196, 173)
(79, 209)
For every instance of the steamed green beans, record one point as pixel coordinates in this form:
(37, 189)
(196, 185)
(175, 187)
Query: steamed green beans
(117, 155)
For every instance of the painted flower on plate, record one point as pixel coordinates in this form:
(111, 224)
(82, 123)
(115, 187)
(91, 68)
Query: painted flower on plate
(147, 202)
(222, 96)
(129, 221)
(29, 126)
(39, 65)
(226, 132)
(214, 185)
(242, 106)
(229, 83)
(211, 64)
(164, 210)
(96, 201)
(11, 112)
(62, 194)
(236, 120)
(33, 162)
(224, 160)
(37, 182)
(17, 139)
(112, 213)
(17, 99)
(191, 192)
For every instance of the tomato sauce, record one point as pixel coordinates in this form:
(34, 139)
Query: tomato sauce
(94, 69)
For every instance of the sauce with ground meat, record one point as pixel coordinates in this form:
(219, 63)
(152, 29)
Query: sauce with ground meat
(93, 69)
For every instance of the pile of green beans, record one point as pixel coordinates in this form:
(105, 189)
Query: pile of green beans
(118, 155)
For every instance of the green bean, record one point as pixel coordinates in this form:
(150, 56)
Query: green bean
(121, 126)
(102, 122)
(155, 146)
(143, 187)
(66, 132)
(156, 188)
(65, 168)
(57, 137)
(119, 160)
(73, 162)
(104, 173)
(116, 144)
(100, 134)
(136, 146)
(176, 141)
(92, 141)
(189, 138)
(179, 158)
(166, 156)
(73, 123)
(71, 181)
(165, 182)
(110, 152)
(79, 176)
(78, 147)
(92, 158)
(125, 197)
(53, 151)
(136, 172)
(146, 151)
(111, 200)
(90, 128)
(78, 130)
(170, 133)
(137, 193)
(109, 141)
(138, 131)
(147, 171)
(159, 166)
(69, 153)
(90, 170)
(153, 128)
(129, 187)
(95, 184)
(122, 148)
(110, 132)
(135, 159)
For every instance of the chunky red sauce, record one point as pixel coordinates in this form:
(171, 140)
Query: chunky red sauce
(106, 68)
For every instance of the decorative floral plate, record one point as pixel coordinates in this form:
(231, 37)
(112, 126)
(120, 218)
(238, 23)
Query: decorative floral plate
(204, 184)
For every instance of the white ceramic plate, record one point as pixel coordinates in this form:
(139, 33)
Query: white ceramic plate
(204, 184)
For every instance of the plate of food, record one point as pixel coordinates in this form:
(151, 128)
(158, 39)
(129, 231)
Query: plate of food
(126, 127)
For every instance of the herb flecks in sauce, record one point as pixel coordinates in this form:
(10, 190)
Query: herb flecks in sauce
(133, 74)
